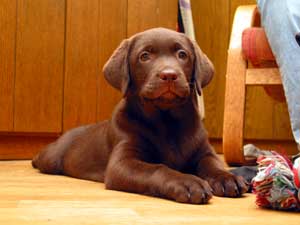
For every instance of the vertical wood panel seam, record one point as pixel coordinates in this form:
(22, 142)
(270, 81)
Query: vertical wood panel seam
(98, 60)
(67, 28)
(126, 31)
(127, 19)
(15, 65)
(64, 68)
(157, 12)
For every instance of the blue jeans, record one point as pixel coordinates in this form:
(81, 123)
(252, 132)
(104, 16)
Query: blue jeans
(281, 21)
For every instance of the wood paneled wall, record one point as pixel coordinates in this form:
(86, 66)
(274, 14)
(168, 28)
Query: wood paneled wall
(39, 65)
(52, 53)
(32, 49)
(7, 62)
(265, 117)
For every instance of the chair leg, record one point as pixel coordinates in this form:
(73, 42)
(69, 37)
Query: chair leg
(234, 110)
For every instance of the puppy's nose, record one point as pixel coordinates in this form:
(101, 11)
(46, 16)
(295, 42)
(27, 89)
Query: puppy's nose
(168, 75)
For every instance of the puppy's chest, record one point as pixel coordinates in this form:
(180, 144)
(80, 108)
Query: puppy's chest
(173, 144)
(176, 153)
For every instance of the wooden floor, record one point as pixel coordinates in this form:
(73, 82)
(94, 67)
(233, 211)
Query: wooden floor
(28, 197)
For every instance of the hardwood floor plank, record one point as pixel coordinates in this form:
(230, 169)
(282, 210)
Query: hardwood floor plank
(29, 197)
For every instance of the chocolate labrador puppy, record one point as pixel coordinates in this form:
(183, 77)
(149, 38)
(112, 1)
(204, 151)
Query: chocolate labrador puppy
(155, 142)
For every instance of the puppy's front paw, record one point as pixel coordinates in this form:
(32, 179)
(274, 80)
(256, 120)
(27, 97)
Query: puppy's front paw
(188, 189)
(225, 184)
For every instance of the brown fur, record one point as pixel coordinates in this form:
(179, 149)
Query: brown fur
(155, 142)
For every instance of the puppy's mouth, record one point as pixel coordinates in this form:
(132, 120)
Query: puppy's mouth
(166, 98)
(169, 95)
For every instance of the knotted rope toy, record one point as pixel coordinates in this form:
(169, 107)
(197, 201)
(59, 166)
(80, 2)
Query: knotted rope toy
(276, 184)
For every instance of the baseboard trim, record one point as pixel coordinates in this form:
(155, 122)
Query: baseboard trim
(288, 147)
(22, 147)
(25, 147)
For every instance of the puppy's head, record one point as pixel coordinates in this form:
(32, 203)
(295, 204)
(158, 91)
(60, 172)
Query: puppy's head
(160, 66)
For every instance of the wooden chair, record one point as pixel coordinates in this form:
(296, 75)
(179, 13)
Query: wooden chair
(240, 75)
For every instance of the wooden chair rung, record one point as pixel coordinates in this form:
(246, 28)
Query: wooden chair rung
(266, 76)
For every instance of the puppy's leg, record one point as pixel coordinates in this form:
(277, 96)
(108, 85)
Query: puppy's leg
(50, 159)
(126, 171)
(211, 169)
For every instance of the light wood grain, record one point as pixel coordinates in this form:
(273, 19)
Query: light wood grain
(142, 15)
(281, 121)
(266, 76)
(8, 17)
(266, 118)
(269, 111)
(235, 92)
(234, 110)
(242, 20)
(39, 66)
(112, 34)
(28, 197)
(167, 13)
(234, 4)
(212, 34)
(81, 63)
(239, 108)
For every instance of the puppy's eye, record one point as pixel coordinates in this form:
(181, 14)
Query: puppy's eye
(145, 56)
(182, 54)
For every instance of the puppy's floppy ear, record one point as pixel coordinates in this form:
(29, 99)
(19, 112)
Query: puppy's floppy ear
(203, 68)
(116, 69)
